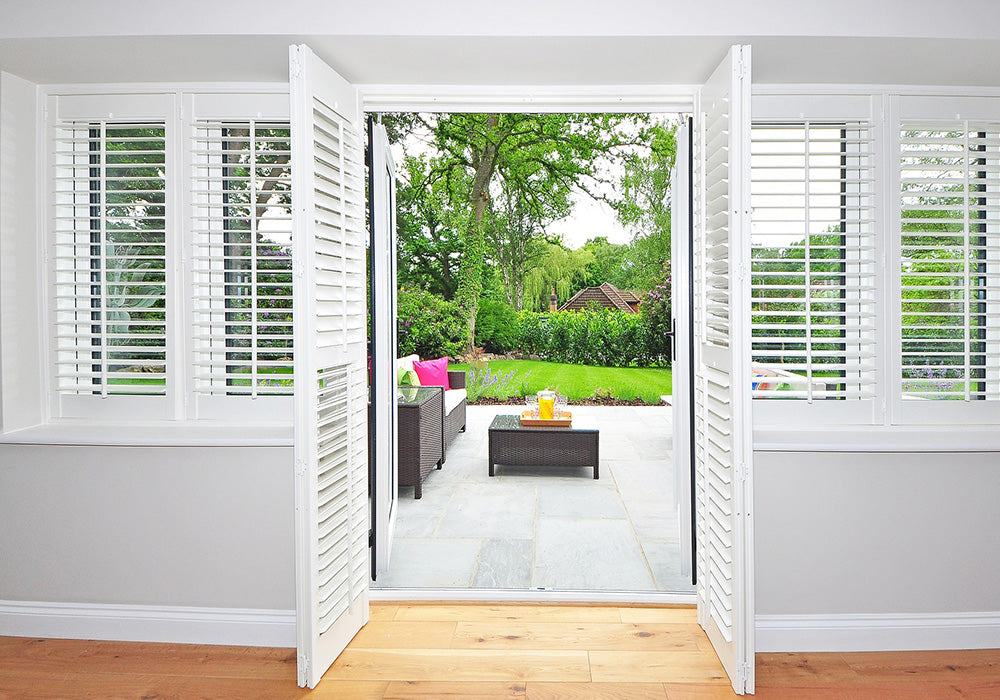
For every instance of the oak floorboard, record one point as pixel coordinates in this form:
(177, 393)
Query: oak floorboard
(395, 634)
(804, 670)
(205, 660)
(382, 611)
(656, 667)
(460, 665)
(680, 615)
(577, 635)
(542, 690)
(426, 690)
(926, 666)
(511, 613)
(699, 691)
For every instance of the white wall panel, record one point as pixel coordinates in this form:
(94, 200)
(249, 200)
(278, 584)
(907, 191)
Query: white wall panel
(205, 527)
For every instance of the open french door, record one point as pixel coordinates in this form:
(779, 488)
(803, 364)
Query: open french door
(331, 395)
(681, 304)
(384, 467)
(723, 440)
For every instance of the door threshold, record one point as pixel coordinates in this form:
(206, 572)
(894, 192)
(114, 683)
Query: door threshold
(490, 595)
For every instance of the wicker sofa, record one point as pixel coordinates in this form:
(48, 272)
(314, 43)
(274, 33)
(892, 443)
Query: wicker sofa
(453, 400)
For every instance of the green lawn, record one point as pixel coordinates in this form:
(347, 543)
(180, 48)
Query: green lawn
(581, 381)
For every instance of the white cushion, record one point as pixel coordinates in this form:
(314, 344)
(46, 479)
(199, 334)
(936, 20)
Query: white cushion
(453, 397)
(407, 362)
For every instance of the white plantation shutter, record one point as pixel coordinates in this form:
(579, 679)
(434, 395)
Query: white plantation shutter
(242, 259)
(813, 261)
(109, 258)
(723, 454)
(331, 447)
(949, 241)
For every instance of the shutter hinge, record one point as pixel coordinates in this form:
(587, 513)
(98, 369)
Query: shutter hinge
(296, 66)
(741, 69)
(371, 537)
(742, 471)
(302, 664)
(300, 269)
(300, 467)
(743, 672)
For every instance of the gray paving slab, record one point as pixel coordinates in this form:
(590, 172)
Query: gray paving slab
(505, 564)
(589, 554)
(552, 527)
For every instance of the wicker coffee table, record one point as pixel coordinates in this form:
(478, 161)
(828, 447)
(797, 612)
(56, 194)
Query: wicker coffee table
(513, 444)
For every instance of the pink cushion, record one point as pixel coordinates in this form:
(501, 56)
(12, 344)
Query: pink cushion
(432, 372)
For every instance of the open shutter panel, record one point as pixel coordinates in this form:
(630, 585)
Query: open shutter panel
(950, 260)
(242, 260)
(813, 261)
(723, 450)
(330, 373)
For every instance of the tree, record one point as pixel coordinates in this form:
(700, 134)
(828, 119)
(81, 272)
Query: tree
(536, 159)
(430, 219)
(644, 206)
(515, 238)
(557, 270)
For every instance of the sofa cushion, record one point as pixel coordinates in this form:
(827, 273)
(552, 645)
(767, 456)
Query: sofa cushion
(406, 377)
(406, 363)
(452, 398)
(432, 372)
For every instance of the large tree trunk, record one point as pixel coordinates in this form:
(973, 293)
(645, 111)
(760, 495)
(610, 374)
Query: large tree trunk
(470, 283)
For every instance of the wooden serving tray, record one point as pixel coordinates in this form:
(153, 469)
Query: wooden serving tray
(529, 420)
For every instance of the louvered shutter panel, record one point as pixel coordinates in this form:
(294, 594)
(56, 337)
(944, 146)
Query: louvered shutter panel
(109, 268)
(950, 260)
(813, 261)
(242, 260)
(331, 446)
(722, 446)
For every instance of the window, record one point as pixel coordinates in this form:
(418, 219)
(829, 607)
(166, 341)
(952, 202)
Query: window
(242, 265)
(949, 260)
(170, 268)
(110, 262)
(812, 261)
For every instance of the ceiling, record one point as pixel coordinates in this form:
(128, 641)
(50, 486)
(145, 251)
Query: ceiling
(495, 60)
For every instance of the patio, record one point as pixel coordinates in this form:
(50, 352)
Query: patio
(553, 528)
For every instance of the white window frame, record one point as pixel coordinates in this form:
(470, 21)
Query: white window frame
(178, 107)
(947, 110)
(798, 109)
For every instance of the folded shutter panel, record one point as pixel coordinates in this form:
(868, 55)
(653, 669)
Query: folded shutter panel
(723, 453)
(331, 445)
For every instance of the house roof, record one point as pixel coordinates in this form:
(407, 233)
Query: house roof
(607, 295)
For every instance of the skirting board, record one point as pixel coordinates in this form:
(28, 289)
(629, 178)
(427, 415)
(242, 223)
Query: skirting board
(148, 623)
(890, 632)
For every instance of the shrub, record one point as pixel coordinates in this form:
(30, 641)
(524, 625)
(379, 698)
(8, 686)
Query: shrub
(496, 326)
(603, 337)
(656, 313)
(428, 325)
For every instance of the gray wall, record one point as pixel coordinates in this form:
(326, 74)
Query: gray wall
(208, 527)
(877, 533)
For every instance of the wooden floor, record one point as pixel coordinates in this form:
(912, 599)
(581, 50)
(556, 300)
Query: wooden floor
(473, 651)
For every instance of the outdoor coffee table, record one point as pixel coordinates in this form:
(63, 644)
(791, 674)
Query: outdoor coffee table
(513, 444)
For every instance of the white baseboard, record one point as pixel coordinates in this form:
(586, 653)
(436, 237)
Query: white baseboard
(890, 632)
(148, 623)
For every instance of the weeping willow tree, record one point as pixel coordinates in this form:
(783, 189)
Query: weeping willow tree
(558, 267)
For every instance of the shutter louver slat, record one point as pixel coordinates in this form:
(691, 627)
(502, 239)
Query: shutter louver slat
(241, 258)
(813, 261)
(950, 260)
(109, 261)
